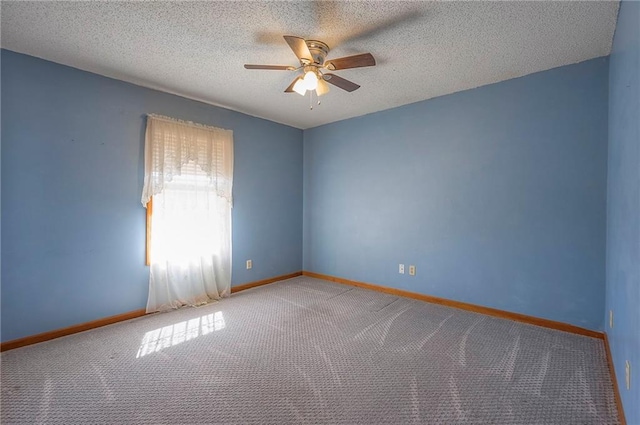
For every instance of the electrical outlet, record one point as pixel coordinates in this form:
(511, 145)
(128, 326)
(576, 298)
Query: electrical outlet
(627, 374)
(249, 264)
(412, 270)
(611, 319)
(401, 269)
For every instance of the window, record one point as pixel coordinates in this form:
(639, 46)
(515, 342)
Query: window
(187, 192)
(183, 220)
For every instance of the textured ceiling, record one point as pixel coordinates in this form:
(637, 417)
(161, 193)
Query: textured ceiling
(197, 49)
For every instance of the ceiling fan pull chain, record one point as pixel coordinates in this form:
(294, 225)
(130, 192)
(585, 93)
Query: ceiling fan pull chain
(311, 100)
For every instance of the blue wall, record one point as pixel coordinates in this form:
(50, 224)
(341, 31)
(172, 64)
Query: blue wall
(73, 240)
(623, 212)
(496, 194)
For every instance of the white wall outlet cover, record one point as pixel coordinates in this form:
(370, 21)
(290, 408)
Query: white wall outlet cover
(412, 270)
(249, 264)
(401, 269)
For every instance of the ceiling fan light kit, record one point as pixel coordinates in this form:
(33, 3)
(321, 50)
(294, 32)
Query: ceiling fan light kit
(310, 80)
(300, 86)
(312, 56)
(323, 87)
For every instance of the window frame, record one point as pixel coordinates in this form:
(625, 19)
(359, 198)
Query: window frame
(148, 242)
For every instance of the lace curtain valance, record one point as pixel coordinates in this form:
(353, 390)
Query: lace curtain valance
(170, 144)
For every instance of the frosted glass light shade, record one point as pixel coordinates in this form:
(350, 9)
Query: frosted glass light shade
(311, 80)
(323, 87)
(300, 87)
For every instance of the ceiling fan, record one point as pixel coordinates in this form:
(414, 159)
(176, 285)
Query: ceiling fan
(312, 56)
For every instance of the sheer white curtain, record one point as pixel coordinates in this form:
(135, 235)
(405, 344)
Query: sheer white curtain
(189, 173)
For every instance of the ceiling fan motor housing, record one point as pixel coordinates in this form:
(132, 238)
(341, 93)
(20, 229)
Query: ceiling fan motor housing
(319, 51)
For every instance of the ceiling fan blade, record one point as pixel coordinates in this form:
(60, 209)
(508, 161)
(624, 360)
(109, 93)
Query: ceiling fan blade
(340, 82)
(293, 83)
(271, 67)
(300, 48)
(357, 61)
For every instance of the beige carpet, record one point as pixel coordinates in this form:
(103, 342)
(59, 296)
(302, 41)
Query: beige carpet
(306, 351)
